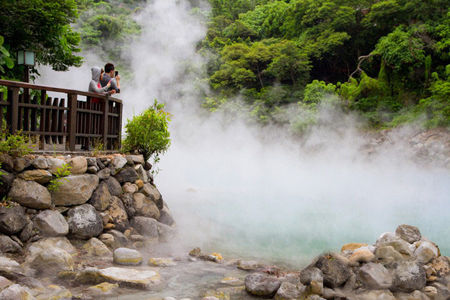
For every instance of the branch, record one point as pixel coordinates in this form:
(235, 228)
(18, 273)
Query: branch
(361, 59)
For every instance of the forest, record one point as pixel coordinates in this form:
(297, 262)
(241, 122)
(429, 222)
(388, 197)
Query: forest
(387, 60)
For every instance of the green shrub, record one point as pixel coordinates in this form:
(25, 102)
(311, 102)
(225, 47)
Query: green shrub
(60, 173)
(14, 144)
(148, 132)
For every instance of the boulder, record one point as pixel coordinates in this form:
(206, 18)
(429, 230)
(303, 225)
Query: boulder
(161, 262)
(75, 189)
(387, 255)
(92, 170)
(54, 164)
(352, 246)
(51, 242)
(78, 165)
(51, 223)
(16, 292)
(6, 162)
(27, 231)
(416, 295)
(375, 295)
(362, 255)
(310, 274)
(136, 159)
(6, 181)
(40, 176)
(91, 162)
(408, 233)
(103, 289)
(288, 291)
(7, 245)
(145, 226)
(409, 276)
(248, 265)
(50, 261)
(127, 257)
(130, 188)
(104, 174)
(30, 194)
(108, 239)
(375, 276)
(118, 162)
(117, 214)
(114, 186)
(120, 240)
(165, 217)
(100, 163)
(4, 283)
(334, 269)
(144, 206)
(40, 162)
(426, 252)
(141, 173)
(127, 174)
(12, 219)
(84, 222)
(128, 202)
(152, 192)
(101, 197)
(126, 277)
(260, 284)
(54, 292)
(95, 247)
(8, 264)
(21, 163)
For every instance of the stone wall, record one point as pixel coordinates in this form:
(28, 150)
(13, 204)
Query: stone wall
(110, 197)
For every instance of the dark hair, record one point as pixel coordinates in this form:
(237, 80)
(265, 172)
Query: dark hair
(109, 67)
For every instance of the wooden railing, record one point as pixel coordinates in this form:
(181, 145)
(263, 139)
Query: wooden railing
(77, 124)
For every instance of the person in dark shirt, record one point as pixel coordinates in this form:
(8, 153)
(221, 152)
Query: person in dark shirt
(112, 77)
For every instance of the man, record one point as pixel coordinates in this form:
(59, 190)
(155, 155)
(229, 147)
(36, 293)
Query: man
(110, 77)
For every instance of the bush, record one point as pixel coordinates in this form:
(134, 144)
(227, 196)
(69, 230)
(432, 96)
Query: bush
(14, 144)
(148, 132)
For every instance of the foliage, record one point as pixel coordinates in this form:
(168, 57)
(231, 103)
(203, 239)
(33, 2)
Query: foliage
(60, 175)
(14, 144)
(5, 57)
(148, 133)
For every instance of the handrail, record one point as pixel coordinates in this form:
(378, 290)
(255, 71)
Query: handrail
(19, 84)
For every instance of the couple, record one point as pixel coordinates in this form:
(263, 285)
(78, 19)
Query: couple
(105, 81)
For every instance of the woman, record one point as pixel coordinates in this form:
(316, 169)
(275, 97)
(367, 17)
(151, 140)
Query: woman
(95, 86)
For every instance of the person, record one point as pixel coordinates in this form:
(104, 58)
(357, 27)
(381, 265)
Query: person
(95, 85)
(112, 77)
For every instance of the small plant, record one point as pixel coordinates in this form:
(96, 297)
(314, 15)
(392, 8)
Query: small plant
(60, 175)
(14, 144)
(98, 147)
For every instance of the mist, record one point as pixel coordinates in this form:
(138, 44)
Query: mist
(250, 191)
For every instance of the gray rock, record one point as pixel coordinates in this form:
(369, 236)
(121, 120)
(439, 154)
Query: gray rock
(145, 226)
(100, 164)
(374, 295)
(75, 189)
(108, 240)
(12, 219)
(165, 232)
(54, 164)
(128, 202)
(141, 173)
(6, 181)
(288, 290)
(27, 232)
(7, 245)
(114, 186)
(136, 159)
(426, 252)
(50, 261)
(408, 233)
(95, 247)
(335, 271)
(144, 206)
(51, 242)
(101, 198)
(40, 176)
(21, 163)
(375, 276)
(397, 243)
(92, 170)
(16, 292)
(84, 222)
(153, 193)
(91, 162)
(117, 213)
(130, 188)
(416, 295)
(6, 162)
(165, 217)
(30, 194)
(120, 240)
(409, 276)
(4, 283)
(104, 174)
(118, 162)
(51, 223)
(40, 163)
(127, 257)
(127, 174)
(310, 274)
(260, 284)
(387, 255)
(78, 165)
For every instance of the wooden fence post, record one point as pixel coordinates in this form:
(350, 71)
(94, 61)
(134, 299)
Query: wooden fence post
(105, 122)
(72, 120)
(14, 100)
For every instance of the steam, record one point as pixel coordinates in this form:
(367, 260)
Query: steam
(253, 191)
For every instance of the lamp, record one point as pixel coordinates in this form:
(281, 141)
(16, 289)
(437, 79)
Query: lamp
(27, 59)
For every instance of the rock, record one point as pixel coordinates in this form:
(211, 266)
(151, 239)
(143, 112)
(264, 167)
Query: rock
(352, 246)
(145, 226)
(21, 163)
(409, 276)
(161, 262)
(114, 186)
(288, 291)
(310, 274)
(139, 183)
(91, 162)
(196, 252)
(416, 295)
(84, 222)
(165, 232)
(439, 267)
(408, 233)
(375, 276)
(362, 255)
(248, 265)
(92, 170)
(430, 291)
(101, 197)
(153, 193)
(16, 292)
(104, 174)
(232, 281)
(118, 162)
(141, 173)
(334, 269)
(165, 217)
(426, 252)
(136, 159)
(144, 279)
(50, 261)
(120, 240)
(27, 231)
(75, 189)
(56, 292)
(95, 247)
(6, 181)
(144, 206)
(128, 203)
(129, 188)
(78, 165)
(260, 284)
(51, 223)
(387, 255)
(4, 283)
(51, 242)
(12, 219)
(30, 194)
(103, 289)
(127, 174)
(8, 265)
(108, 239)
(6, 162)
(54, 164)
(100, 163)
(117, 213)
(40, 176)
(127, 257)
(375, 295)
(7, 245)
(40, 163)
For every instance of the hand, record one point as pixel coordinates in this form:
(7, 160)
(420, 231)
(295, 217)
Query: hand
(109, 84)
(112, 92)
(118, 77)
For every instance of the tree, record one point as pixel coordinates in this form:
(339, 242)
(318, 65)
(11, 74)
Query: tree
(43, 27)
